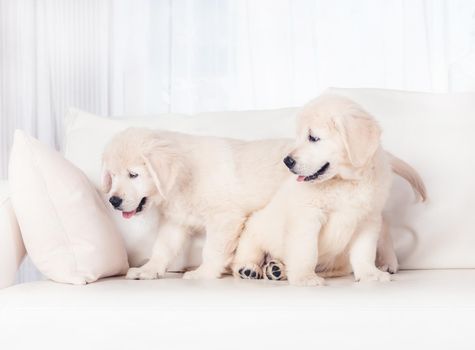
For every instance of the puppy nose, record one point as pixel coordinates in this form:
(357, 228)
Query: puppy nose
(289, 161)
(115, 201)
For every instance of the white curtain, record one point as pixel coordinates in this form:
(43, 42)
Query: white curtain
(152, 56)
(116, 57)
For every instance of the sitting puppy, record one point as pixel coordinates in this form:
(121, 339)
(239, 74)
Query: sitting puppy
(328, 219)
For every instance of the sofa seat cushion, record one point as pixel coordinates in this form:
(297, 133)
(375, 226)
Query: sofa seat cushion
(428, 309)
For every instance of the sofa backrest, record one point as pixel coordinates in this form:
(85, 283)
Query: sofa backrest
(86, 134)
(433, 132)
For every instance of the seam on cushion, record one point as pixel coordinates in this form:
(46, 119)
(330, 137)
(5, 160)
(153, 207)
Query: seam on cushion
(65, 234)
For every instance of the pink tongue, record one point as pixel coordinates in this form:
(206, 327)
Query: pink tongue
(300, 178)
(128, 214)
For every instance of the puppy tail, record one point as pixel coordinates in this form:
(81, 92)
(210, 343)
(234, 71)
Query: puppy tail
(410, 174)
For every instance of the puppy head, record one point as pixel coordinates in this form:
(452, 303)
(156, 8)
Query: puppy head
(335, 137)
(137, 170)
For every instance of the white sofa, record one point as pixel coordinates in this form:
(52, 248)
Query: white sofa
(429, 305)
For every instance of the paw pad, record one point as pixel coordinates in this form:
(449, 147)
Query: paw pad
(274, 270)
(249, 273)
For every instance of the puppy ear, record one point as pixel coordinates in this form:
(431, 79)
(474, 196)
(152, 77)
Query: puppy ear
(154, 174)
(106, 181)
(361, 136)
(164, 161)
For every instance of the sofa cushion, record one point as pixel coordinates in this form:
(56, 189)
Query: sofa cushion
(419, 310)
(63, 221)
(430, 131)
(248, 125)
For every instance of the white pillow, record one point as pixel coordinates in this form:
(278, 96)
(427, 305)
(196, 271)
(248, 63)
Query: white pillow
(64, 224)
(12, 249)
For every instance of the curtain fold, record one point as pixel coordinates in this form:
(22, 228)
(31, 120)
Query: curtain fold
(116, 57)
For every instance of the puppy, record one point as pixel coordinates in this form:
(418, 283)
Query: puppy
(197, 184)
(329, 218)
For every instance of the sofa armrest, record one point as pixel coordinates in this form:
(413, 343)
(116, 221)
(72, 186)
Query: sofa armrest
(12, 249)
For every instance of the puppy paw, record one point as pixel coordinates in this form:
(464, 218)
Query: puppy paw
(309, 280)
(274, 270)
(392, 269)
(373, 275)
(388, 263)
(141, 273)
(201, 274)
(249, 272)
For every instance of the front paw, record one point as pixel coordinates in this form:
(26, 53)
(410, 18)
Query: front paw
(142, 273)
(372, 276)
(249, 271)
(389, 264)
(391, 268)
(201, 274)
(309, 280)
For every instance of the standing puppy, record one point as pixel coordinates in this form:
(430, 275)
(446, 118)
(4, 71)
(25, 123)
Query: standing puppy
(329, 218)
(196, 184)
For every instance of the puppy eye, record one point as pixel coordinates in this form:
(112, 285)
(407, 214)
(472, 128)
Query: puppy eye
(133, 175)
(313, 138)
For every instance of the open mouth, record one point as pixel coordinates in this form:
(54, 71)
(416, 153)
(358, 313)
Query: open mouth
(129, 214)
(320, 172)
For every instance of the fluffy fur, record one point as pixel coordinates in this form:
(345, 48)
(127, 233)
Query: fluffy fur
(197, 184)
(330, 220)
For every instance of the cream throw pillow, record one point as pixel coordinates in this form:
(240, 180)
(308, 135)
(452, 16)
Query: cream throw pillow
(63, 220)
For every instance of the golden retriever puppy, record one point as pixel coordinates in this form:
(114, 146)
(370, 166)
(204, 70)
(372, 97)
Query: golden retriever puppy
(328, 218)
(197, 184)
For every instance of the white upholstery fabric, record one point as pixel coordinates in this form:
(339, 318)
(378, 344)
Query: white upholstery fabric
(12, 249)
(420, 310)
(433, 132)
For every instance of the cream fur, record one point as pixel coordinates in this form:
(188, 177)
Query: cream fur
(197, 184)
(332, 224)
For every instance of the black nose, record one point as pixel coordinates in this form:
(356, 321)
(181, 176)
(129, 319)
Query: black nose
(115, 201)
(289, 161)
